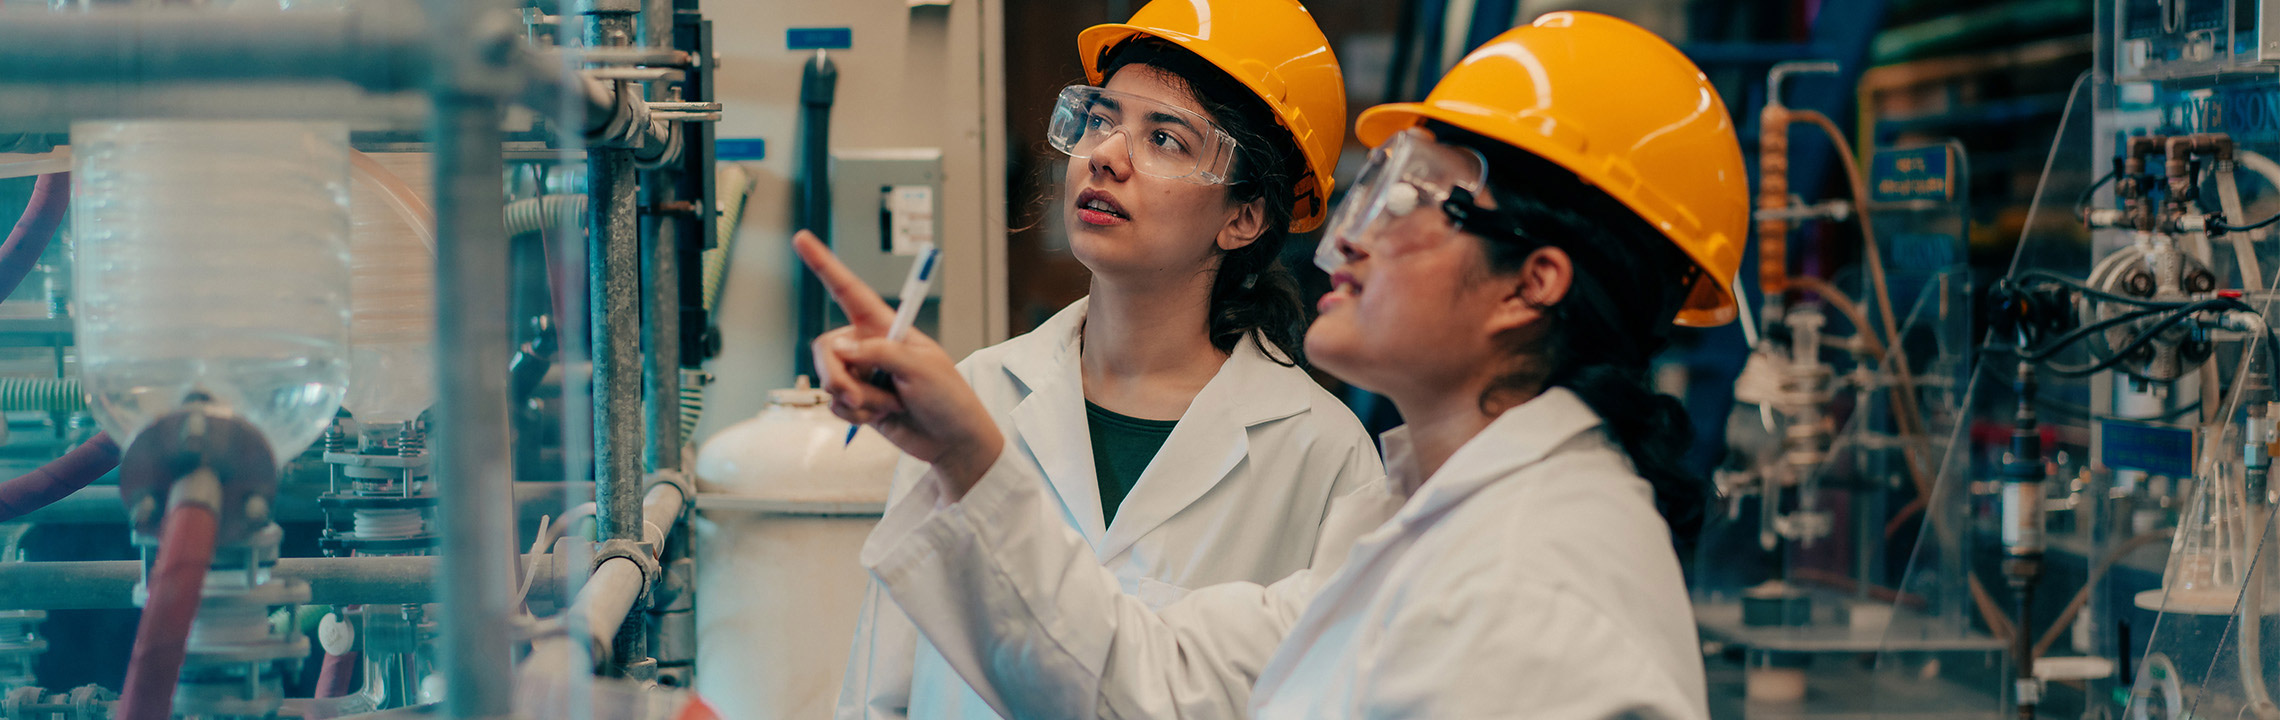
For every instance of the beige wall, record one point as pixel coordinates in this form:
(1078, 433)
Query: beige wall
(916, 77)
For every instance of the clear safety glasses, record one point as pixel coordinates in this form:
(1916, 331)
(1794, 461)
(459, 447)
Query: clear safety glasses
(1163, 140)
(1408, 172)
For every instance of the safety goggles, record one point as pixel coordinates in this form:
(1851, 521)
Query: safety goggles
(1162, 140)
(1410, 172)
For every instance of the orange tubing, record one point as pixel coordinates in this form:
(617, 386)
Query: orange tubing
(1773, 195)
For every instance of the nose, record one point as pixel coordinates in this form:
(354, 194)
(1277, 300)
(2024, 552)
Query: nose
(1112, 156)
(1337, 252)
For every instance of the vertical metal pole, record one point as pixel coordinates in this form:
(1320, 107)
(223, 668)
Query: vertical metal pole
(614, 303)
(661, 281)
(661, 330)
(476, 503)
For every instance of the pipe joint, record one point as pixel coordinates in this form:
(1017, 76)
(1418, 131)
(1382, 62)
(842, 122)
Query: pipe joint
(643, 555)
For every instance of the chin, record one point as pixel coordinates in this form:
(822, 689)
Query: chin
(1333, 350)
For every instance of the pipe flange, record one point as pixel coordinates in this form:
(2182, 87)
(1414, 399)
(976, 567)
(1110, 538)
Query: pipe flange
(200, 436)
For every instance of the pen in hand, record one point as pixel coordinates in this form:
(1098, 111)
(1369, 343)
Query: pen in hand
(906, 312)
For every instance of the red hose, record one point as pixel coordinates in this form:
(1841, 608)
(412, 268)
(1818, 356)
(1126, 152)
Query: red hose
(336, 672)
(177, 579)
(59, 477)
(51, 195)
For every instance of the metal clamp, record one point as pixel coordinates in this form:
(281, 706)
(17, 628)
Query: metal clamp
(679, 479)
(642, 554)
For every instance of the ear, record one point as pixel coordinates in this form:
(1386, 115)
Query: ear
(1542, 282)
(1244, 226)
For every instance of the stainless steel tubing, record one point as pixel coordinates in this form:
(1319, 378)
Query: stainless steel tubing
(375, 45)
(110, 584)
(468, 92)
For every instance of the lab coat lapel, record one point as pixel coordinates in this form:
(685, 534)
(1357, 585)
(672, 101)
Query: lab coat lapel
(1210, 441)
(1051, 418)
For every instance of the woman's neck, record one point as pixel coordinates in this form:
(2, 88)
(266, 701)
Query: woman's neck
(1441, 421)
(1146, 350)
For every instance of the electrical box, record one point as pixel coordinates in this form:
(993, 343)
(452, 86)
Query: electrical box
(885, 202)
(2176, 39)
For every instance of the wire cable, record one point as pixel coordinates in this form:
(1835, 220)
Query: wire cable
(2258, 225)
(2082, 206)
(2086, 289)
(2147, 337)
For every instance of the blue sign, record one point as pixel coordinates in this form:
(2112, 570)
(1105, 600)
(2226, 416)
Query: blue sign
(740, 149)
(837, 38)
(2249, 112)
(2156, 449)
(1924, 173)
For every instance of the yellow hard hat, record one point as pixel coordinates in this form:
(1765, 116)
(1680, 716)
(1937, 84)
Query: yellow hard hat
(1271, 46)
(1624, 111)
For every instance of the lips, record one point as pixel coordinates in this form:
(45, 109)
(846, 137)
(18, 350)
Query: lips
(1342, 288)
(1095, 207)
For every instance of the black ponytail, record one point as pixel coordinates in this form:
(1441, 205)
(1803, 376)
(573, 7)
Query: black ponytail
(1253, 290)
(1629, 282)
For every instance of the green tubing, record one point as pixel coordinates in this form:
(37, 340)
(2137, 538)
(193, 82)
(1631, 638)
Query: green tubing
(544, 212)
(19, 394)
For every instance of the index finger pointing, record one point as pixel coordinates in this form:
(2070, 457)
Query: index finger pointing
(864, 307)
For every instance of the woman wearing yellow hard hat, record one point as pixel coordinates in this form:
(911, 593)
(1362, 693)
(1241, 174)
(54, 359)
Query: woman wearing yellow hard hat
(1504, 267)
(1165, 415)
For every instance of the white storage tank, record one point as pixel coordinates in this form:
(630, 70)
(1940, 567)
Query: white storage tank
(782, 510)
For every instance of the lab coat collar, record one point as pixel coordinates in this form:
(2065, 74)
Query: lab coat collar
(1211, 439)
(1522, 435)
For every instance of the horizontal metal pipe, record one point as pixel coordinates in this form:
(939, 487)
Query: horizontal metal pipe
(376, 45)
(662, 506)
(332, 581)
(100, 505)
(607, 598)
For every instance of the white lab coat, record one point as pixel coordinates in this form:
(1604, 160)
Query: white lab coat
(1239, 492)
(1530, 577)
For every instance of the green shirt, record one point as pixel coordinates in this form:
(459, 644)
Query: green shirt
(1122, 447)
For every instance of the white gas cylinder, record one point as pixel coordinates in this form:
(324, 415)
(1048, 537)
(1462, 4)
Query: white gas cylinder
(783, 506)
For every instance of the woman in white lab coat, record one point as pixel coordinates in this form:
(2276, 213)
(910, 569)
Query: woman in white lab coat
(1165, 416)
(1504, 268)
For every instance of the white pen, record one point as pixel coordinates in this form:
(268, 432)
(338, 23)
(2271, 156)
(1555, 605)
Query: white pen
(906, 310)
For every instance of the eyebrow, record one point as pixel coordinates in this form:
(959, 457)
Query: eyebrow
(1165, 117)
(1107, 102)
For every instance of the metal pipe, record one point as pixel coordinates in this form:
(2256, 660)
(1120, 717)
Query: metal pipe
(110, 584)
(376, 45)
(473, 342)
(662, 506)
(661, 328)
(100, 505)
(614, 305)
(819, 86)
(606, 600)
